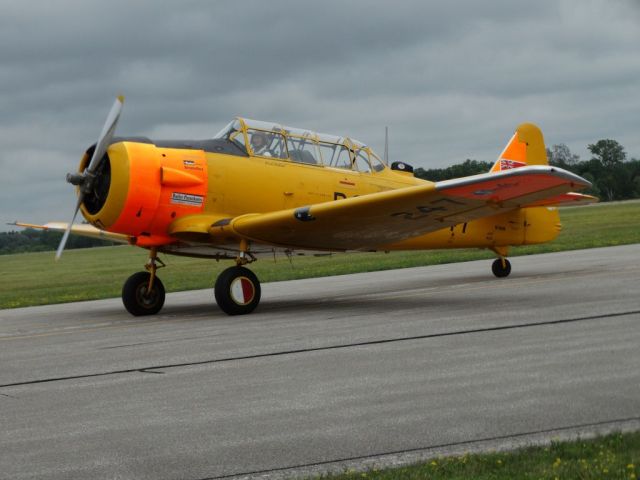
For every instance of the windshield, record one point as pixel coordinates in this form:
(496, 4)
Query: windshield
(233, 132)
(229, 127)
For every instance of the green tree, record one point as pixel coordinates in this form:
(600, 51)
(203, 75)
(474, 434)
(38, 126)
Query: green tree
(468, 167)
(31, 240)
(610, 173)
(560, 156)
(608, 152)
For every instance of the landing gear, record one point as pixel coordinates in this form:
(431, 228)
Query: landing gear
(237, 291)
(501, 267)
(138, 299)
(143, 292)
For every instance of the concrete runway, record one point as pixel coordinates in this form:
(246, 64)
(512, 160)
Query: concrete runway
(351, 371)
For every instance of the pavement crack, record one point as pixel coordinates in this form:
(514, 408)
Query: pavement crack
(150, 368)
(127, 345)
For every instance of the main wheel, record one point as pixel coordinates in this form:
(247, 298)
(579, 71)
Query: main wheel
(237, 291)
(499, 270)
(137, 300)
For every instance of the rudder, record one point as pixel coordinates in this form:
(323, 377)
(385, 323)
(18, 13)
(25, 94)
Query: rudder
(526, 147)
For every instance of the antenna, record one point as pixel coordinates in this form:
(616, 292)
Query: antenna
(386, 145)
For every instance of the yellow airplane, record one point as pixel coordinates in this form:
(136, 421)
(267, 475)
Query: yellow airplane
(260, 189)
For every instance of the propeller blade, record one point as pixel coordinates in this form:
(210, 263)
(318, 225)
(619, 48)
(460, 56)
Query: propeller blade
(65, 237)
(85, 179)
(106, 135)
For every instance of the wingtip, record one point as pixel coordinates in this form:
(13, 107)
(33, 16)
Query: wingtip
(24, 224)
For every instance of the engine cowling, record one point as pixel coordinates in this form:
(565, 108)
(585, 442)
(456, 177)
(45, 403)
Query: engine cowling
(139, 189)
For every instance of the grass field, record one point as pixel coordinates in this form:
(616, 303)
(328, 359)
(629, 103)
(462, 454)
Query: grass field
(615, 456)
(36, 279)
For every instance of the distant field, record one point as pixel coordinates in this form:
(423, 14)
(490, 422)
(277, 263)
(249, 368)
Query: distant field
(36, 279)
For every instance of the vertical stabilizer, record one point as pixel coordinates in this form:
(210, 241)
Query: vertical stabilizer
(526, 147)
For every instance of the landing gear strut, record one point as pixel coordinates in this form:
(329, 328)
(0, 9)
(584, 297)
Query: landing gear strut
(501, 267)
(237, 289)
(143, 292)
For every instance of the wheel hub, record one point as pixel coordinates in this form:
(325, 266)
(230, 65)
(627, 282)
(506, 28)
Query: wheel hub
(242, 291)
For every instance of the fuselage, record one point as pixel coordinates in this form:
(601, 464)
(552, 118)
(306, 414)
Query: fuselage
(154, 185)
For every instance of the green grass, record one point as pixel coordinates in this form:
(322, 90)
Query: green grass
(615, 456)
(36, 279)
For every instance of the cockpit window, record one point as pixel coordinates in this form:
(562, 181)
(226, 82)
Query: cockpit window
(362, 161)
(303, 149)
(335, 155)
(376, 163)
(327, 150)
(342, 158)
(272, 140)
(267, 144)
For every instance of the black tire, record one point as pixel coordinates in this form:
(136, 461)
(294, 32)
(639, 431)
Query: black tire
(237, 291)
(500, 271)
(135, 297)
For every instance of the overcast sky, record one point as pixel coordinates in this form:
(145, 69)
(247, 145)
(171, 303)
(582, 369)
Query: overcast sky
(452, 79)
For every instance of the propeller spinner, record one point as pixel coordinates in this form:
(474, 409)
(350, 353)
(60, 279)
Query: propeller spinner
(85, 180)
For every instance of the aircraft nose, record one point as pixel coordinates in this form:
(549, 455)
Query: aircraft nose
(106, 190)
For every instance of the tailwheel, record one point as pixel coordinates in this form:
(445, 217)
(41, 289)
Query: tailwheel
(138, 298)
(237, 291)
(501, 267)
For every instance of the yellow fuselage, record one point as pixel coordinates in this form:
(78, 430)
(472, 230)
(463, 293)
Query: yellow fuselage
(145, 178)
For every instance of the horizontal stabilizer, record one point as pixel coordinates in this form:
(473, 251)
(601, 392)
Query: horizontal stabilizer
(571, 199)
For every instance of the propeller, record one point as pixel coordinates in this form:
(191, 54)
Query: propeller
(84, 180)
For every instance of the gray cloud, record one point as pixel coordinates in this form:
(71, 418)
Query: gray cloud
(451, 79)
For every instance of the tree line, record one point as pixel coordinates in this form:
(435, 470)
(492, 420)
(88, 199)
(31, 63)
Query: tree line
(613, 176)
(31, 240)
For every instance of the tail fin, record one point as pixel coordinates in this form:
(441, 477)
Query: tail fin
(526, 147)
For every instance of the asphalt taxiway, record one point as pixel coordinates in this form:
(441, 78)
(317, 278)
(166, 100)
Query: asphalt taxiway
(356, 370)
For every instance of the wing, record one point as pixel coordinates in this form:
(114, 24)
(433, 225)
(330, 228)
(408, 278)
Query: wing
(82, 230)
(361, 223)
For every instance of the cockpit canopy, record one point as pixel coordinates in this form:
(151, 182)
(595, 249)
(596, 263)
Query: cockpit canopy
(266, 139)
